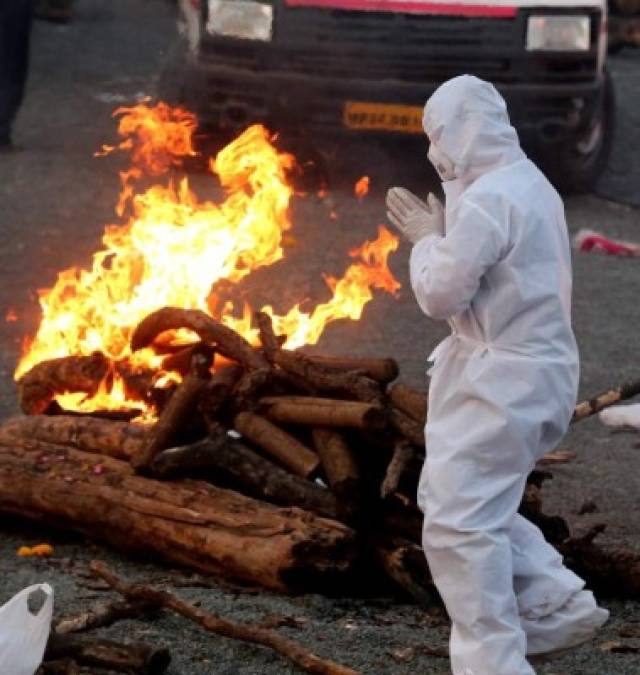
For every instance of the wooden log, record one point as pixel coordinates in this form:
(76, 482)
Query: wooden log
(102, 436)
(288, 450)
(338, 461)
(602, 401)
(407, 427)
(123, 415)
(102, 615)
(226, 460)
(410, 401)
(38, 387)
(403, 455)
(180, 362)
(323, 412)
(131, 657)
(405, 563)
(190, 523)
(294, 652)
(383, 370)
(351, 384)
(227, 342)
(176, 414)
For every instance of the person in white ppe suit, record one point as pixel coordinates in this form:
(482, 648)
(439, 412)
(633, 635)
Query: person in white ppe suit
(495, 263)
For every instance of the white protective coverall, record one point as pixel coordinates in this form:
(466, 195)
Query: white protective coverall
(503, 388)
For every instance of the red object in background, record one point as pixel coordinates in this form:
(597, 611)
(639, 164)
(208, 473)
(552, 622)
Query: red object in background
(196, 4)
(413, 6)
(596, 242)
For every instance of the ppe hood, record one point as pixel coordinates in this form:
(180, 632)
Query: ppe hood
(466, 118)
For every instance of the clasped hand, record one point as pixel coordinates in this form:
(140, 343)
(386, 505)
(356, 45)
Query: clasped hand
(413, 217)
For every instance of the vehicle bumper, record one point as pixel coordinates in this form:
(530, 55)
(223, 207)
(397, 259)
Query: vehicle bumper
(233, 97)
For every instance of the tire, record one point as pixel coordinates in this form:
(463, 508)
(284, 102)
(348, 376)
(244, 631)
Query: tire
(578, 163)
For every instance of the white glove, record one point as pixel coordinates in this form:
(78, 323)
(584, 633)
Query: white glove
(412, 216)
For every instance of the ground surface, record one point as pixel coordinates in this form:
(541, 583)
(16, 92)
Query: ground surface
(54, 200)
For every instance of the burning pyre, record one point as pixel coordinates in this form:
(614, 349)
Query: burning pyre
(173, 248)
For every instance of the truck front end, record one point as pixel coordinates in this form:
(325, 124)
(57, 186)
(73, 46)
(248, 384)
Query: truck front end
(339, 67)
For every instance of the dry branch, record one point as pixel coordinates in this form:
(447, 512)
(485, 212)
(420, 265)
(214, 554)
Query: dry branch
(288, 450)
(227, 460)
(132, 657)
(38, 387)
(609, 398)
(323, 412)
(296, 653)
(102, 615)
(102, 436)
(191, 523)
(557, 457)
(410, 401)
(227, 342)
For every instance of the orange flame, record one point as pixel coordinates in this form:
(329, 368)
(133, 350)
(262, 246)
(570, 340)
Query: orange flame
(361, 188)
(173, 248)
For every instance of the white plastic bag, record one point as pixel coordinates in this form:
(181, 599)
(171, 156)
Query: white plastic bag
(23, 635)
(622, 416)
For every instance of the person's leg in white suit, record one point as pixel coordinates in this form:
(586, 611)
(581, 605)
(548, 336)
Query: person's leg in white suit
(471, 495)
(555, 611)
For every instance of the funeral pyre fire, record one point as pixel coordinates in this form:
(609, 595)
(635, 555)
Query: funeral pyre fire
(171, 249)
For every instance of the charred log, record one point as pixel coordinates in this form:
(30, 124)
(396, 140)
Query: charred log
(38, 387)
(227, 342)
(227, 461)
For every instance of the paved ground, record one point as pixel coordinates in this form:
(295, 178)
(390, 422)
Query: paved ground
(54, 201)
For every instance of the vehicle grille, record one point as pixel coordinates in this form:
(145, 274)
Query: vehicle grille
(404, 47)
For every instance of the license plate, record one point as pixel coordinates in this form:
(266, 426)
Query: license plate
(382, 117)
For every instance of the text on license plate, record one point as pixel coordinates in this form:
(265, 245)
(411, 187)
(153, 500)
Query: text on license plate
(383, 116)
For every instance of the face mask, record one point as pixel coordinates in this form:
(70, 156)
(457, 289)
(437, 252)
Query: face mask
(442, 164)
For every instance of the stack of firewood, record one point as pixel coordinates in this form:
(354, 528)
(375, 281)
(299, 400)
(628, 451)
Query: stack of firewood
(265, 465)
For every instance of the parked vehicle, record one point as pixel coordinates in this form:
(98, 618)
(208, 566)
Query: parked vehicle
(367, 66)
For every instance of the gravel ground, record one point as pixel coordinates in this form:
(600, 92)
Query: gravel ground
(54, 191)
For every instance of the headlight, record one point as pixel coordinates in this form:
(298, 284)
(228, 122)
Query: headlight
(559, 33)
(240, 19)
